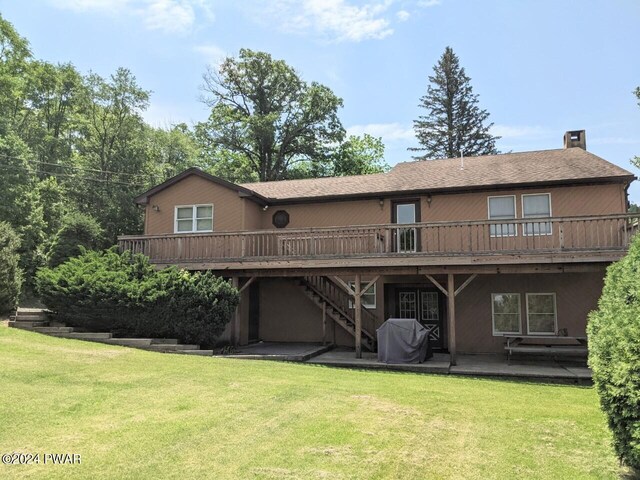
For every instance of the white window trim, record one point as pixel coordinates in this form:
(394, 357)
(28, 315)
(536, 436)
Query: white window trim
(368, 306)
(493, 315)
(555, 314)
(515, 212)
(193, 218)
(534, 218)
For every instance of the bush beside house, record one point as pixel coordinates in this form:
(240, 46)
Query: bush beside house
(77, 230)
(10, 273)
(123, 293)
(614, 353)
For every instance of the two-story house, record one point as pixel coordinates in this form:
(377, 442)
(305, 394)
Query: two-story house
(474, 248)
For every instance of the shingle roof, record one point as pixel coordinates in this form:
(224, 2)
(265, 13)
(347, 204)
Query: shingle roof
(570, 165)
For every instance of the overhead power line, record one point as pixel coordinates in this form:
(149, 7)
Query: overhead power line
(66, 175)
(81, 169)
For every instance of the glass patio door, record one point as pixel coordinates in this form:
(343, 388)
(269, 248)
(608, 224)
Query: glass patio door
(425, 306)
(430, 316)
(406, 238)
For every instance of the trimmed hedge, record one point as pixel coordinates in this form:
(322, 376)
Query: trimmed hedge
(614, 353)
(10, 273)
(124, 294)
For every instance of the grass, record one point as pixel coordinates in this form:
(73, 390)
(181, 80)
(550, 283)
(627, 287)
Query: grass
(136, 414)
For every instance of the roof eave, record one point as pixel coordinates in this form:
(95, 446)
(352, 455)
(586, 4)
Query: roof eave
(626, 179)
(143, 198)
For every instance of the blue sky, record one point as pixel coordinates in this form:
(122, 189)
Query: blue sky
(540, 67)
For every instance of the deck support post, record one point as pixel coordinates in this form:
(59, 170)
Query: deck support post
(235, 329)
(358, 315)
(451, 317)
(324, 323)
(247, 283)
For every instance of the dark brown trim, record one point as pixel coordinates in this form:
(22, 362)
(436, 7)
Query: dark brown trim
(418, 215)
(143, 198)
(403, 201)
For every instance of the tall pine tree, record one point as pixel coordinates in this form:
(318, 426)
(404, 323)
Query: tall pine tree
(454, 123)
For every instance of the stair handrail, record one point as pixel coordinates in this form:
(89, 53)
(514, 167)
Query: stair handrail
(336, 294)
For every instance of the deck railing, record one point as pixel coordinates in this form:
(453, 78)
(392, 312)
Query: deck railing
(593, 233)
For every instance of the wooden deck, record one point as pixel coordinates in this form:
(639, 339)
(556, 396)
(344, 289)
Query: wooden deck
(557, 240)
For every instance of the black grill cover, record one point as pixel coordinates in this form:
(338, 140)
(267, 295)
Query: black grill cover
(403, 340)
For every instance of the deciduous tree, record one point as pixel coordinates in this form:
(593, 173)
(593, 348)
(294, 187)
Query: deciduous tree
(262, 109)
(359, 156)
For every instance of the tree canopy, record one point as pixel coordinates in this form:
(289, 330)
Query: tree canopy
(75, 143)
(262, 109)
(267, 123)
(454, 123)
(76, 146)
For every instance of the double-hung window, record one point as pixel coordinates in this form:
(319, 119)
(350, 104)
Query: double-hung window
(506, 313)
(193, 219)
(502, 208)
(541, 313)
(536, 206)
(368, 298)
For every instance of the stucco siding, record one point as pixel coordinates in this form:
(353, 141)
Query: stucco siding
(565, 202)
(576, 295)
(358, 212)
(232, 213)
(252, 215)
(227, 205)
(287, 315)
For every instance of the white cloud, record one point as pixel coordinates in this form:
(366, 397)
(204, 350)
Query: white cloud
(403, 15)
(169, 16)
(213, 53)
(429, 3)
(167, 114)
(336, 20)
(332, 20)
(388, 131)
(519, 131)
(85, 5)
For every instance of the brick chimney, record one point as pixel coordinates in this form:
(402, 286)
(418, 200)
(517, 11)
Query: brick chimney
(575, 138)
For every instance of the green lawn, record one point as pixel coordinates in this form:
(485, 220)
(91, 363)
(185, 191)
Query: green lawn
(136, 414)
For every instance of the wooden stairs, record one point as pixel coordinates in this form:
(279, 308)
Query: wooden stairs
(37, 320)
(324, 291)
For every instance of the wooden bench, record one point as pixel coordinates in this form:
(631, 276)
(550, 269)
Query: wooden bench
(546, 344)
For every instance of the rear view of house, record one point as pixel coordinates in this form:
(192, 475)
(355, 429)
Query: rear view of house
(477, 249)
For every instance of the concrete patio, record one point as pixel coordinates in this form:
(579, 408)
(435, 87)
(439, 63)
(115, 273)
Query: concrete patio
(574, 371)
(290, 352)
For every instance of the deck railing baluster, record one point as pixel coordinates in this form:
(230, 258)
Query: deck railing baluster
(437, 238)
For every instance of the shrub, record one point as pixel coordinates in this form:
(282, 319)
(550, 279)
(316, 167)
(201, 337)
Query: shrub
(123, 293)
(614, 353)
(78, 230)
(10, 273)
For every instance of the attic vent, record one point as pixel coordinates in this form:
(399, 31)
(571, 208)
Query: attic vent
(575, 138)
(280, 219)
